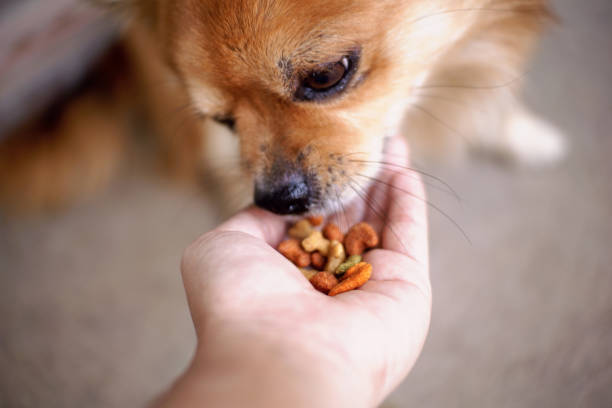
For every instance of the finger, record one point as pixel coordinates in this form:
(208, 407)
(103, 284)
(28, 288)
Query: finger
(397, 151)
(371, 185)
(406, 228)
(227, 272)
(395, 160)
(221, 259)
(241, 250)
(258, 223)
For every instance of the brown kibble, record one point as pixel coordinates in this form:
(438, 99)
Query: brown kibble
(316, 242)
(359, 238)
(300, 229)
(315, 220)
(333, 233)
(354, 278)
(324, 281)
(317, 261)
(292, 250)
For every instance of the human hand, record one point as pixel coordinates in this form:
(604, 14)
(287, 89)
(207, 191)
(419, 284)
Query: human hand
(265, 336)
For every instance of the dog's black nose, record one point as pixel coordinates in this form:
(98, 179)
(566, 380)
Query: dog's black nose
(290, 196)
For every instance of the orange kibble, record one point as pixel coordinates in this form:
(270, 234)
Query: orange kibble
(359, 238)
(315, 220)
(333, 233)
(354, 278)
(293, 251)
(352, 270)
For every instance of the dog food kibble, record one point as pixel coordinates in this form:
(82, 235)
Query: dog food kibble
(346, 265)
(301, 230)
(333, 233)
(316, 242)
(359, 238)
(294, 252)
(322, 255)
(335, 256)
(315, 220)
(324, 281)
(317, 261)
(355, 277)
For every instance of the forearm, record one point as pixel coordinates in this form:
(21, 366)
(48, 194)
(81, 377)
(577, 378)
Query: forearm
(248, 370)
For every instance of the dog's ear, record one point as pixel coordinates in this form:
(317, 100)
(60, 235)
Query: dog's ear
(142, 9)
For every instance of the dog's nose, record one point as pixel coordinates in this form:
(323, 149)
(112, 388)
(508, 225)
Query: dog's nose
(291, 196)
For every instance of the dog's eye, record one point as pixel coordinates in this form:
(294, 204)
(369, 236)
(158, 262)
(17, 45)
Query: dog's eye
(328, 77)
(328, 80)
(228, 121)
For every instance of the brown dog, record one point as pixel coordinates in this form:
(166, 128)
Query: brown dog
(311, 89)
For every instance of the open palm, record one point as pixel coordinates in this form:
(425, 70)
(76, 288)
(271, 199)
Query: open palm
(236, 281)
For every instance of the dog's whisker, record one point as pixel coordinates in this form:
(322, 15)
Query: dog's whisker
(441, 122)
(345, 224)
(332, 204)
(410, 169)
(430, 185)
(423, 200)
(473, 10)
(453, 101)
(494, 87)
(442, 188)
(338, 211)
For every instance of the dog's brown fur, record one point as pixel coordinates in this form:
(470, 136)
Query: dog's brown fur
(447, 69)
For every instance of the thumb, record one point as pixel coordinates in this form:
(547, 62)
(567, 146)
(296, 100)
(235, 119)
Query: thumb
(259, 223)
(230, 272)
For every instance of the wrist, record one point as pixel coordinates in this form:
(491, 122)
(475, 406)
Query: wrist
(243, 367)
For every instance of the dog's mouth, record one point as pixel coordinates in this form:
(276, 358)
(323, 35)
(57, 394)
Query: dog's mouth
(321, 186)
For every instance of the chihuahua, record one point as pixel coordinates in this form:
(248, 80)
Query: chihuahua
(306, 92)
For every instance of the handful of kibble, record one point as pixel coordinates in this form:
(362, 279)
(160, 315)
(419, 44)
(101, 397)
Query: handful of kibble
(331, 261)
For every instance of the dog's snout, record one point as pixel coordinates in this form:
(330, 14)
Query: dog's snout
(291, 195)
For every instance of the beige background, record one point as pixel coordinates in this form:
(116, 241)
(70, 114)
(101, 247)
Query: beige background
(93, 312)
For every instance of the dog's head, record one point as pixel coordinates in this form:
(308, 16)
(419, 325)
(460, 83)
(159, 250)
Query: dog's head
(311, 88)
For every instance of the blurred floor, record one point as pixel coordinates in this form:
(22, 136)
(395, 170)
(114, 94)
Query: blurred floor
(93, 312)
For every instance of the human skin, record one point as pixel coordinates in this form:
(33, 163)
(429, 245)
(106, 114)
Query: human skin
(267, 338)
